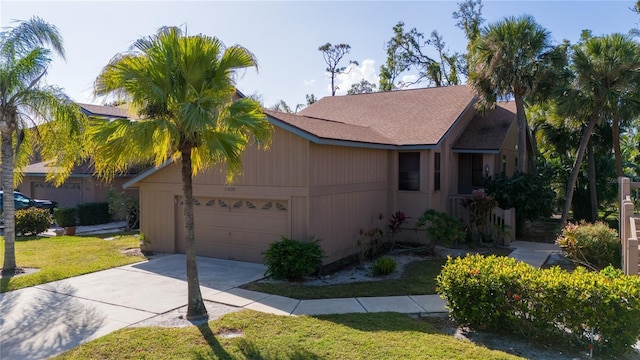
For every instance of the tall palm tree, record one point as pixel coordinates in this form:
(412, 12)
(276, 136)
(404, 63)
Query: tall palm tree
(607, 70)
(182, 88)
(508, 59)
(25, 102)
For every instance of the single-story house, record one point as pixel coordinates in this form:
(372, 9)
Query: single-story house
(81, 186)
(336, 169)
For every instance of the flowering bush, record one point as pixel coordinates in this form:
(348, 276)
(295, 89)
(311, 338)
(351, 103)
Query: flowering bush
(583, 307)
(592, 245)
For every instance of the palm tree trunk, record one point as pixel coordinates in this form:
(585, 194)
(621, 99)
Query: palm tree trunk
(195, 307)
(522, 134)
(8, 205)
(616, 147)
(571, 184)
(593, 192)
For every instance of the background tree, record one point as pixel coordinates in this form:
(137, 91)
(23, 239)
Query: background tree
(396, 63)
(507, 60)
(606, 69)
(183, 90)
(25, 101)
(469, 18)
(362, 87)
(409, 49)
(332, 55)
(281, 106)
(310, 98)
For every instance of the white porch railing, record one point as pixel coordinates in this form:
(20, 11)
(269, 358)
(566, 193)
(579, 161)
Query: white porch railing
(501, 222)
(629, 228)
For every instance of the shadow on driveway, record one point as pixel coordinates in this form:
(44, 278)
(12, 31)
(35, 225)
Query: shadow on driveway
(219, 274)
(37, 324)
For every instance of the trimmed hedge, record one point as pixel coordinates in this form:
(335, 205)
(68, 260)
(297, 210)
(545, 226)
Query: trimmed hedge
(93, 213)
(587, 308)
(66, 217)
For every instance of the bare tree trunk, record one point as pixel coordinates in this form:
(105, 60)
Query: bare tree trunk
(195, 307)
(8, 205)
(522, 134)
(333, 80)
(593, 192)
(616, 147)
(571, 184)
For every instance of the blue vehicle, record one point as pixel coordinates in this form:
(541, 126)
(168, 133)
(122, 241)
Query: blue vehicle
(22, 201)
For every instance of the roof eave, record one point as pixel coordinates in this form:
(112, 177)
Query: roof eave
(476, 151)
(135, 180)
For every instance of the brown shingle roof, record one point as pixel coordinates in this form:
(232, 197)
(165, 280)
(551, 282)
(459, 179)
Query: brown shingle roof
(104, 111)
(405, 117)
(327, 129)
(488, 131)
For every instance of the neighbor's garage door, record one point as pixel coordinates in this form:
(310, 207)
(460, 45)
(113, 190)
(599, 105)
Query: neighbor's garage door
(68, 194)
(233, 228)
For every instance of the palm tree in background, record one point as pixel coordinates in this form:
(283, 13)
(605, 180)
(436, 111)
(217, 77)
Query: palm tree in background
(511, 58)
(607, 71)
(33, 115)
(182, 88)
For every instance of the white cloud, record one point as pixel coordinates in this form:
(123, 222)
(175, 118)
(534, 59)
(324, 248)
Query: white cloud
(309, 83)
(355, 73)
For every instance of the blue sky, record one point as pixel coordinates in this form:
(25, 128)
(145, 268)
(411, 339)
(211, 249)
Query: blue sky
(285, 36)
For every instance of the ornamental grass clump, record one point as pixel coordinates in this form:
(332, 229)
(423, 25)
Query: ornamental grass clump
(586, 308)
(384, 266)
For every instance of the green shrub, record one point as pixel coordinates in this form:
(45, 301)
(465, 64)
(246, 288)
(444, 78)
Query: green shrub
(582, 307)
(93, 213)
(440, 227)
(384, 266)
(480, 206)
(32, 221)
(592, 245)
(530, 194)
(292, 259)
(65, 217)
(124, 207)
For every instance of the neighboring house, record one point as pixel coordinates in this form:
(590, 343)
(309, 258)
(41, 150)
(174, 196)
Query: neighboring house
(338, 168)
(81, 186)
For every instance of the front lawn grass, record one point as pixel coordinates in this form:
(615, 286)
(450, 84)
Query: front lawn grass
(418, 278)
(63, 257)
(252, 335)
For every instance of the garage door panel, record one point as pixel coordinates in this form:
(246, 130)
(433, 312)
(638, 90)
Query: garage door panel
(69, 194)
(237, 229)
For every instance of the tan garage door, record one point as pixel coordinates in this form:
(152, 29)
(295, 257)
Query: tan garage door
(237, 229)
(68, 194)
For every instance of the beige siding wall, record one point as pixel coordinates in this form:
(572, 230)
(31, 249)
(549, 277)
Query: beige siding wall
(348, 193)
(509, 149)
(157, 221)
(278, 166)
(279, 173)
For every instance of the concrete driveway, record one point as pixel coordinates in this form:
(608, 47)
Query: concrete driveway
(45, 320)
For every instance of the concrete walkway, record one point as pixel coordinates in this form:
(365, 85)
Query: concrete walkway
(48, 319)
